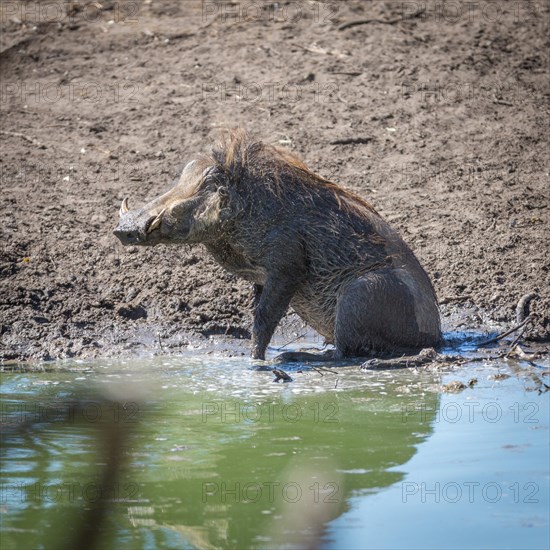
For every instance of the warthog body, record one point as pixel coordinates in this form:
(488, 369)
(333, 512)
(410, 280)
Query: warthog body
(303, 241)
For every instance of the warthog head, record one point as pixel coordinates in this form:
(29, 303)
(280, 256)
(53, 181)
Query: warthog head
(190, 212)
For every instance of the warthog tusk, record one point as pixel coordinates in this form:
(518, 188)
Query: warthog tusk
(155, 224)
(123, 207)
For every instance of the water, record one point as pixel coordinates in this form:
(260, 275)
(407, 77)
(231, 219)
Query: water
(202, 451)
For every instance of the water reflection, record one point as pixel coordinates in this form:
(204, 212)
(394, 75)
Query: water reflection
(208, 454)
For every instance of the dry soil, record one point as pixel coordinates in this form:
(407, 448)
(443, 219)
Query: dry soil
(436, 113)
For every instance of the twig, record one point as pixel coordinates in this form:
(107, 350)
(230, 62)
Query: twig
(358, 22)
(22, 136)
(291, 341)
(313, 50)
(425, 357)
(321, 369)
(500, 101)
(429, 355)
(523, 317)
(352, 141)
(518, 337)
(327, 370)
(504, 334)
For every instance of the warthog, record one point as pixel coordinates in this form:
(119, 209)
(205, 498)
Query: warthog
(302, 240)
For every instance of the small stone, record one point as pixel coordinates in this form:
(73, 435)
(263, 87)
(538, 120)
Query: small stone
(453, 387)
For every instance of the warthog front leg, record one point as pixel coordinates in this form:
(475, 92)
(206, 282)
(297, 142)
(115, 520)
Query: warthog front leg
(257, 294)
(272, 302)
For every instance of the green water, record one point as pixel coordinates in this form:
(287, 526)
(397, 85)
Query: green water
(206, 452)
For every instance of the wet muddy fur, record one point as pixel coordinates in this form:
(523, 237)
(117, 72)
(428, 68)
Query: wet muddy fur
(303, 241)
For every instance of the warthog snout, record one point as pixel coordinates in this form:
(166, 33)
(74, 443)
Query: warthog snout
(136, 227)
(127, 237)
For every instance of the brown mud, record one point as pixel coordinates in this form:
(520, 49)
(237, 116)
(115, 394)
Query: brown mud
(440, 118)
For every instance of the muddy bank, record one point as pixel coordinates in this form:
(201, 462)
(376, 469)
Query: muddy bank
(440, 120)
